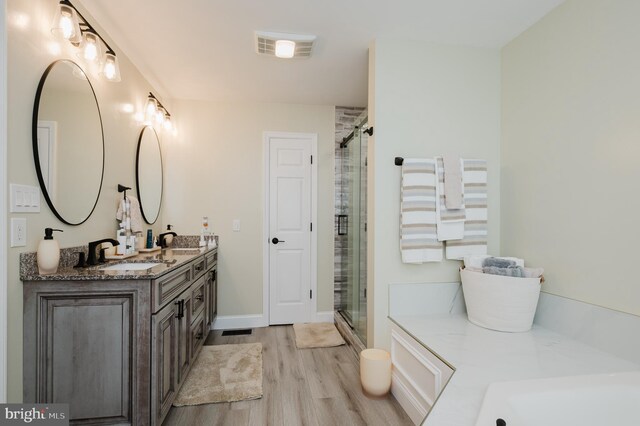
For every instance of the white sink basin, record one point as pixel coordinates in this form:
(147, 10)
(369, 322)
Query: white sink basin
(130, 266)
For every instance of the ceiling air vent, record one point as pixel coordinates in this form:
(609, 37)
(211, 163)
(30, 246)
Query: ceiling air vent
(266, 43)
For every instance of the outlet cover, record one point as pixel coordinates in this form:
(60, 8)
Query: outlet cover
(236, 225)
(18, 232)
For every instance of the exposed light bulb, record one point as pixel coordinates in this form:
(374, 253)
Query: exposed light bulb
(91, 49)
(66, 25)
(167, 123)
(285, 49)
(160, 115)
(151, 108)
(110, 68)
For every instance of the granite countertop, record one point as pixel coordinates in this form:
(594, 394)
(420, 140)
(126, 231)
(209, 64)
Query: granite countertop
(169, 259)
(482, 356)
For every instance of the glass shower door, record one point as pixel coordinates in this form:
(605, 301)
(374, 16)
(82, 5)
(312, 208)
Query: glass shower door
(354, 215)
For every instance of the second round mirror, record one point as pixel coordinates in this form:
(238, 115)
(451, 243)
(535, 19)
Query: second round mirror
(149, 174)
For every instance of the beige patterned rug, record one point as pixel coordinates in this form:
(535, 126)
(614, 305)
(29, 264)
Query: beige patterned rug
(317, 335)
(223, 373)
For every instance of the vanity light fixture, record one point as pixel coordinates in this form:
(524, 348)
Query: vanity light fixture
(72, 26)
(154, 109)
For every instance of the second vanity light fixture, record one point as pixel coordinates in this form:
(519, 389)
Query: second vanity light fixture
(154, 110)
(72, 26)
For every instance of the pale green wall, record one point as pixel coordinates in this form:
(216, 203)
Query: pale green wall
(424, 101)
(570, 150)
(217, 170)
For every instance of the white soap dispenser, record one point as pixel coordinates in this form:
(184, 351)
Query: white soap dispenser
(48, 253)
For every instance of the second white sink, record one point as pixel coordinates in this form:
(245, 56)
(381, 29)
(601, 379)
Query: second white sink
(130, 266)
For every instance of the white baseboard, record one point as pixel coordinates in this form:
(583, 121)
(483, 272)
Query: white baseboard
(231, 322)
(324, 316)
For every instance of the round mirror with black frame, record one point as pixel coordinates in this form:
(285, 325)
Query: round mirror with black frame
(149, 180)
(68, 142)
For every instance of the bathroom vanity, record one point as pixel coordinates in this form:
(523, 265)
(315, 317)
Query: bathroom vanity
(117, 345)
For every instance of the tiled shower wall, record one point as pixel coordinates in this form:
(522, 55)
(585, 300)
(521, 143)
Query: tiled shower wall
(345, 121)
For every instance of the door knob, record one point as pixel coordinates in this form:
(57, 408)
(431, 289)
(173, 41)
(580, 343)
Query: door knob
(276, 241)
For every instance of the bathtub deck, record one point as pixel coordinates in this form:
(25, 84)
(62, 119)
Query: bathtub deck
(482, 356)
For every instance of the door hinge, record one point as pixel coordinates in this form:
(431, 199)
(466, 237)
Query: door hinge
(312, 159)
(311, 227)
(365, 292)
(310, 294)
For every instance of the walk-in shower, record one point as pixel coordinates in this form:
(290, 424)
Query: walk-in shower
(351, 229)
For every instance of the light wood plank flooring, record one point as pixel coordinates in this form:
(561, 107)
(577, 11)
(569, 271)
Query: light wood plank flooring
(301, 387)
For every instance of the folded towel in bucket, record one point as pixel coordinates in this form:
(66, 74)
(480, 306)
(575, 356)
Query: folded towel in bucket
(497, 262)
(511, 271)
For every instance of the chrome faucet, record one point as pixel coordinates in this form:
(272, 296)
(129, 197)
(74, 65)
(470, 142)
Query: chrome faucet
(91, 260)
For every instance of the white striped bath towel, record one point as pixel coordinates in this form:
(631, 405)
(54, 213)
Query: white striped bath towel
(449, 222)
(418, 237)
(475, 200)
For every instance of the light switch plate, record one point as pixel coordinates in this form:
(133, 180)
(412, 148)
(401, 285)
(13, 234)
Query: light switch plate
(18, 232)
(24, 199)
(236, 225)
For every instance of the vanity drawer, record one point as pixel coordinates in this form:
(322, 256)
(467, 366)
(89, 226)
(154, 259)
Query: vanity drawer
(168, 287)
(199, 267)
(198, 335)
(198, 296)
(212, 258)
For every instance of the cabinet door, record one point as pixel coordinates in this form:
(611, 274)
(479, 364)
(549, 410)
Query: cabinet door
(213, 297)
(164, 361)
(184, 336)
(198, 335)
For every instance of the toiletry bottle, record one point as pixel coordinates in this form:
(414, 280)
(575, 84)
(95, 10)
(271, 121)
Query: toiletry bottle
(149, 238)
(48, 253)
(204, 232)
(122, 240)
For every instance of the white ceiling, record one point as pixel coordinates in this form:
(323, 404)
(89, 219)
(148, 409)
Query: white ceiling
(204, 49)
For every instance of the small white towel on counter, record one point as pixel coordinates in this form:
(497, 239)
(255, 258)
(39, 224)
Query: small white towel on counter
(474, 241)
(135, 213)
(418, 236)
(449, 222)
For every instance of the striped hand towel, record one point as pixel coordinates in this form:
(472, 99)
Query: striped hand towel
(449, 222)
(418, 238)
(475, 200)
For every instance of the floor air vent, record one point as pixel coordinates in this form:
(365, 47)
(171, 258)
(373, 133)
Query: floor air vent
(237, 332)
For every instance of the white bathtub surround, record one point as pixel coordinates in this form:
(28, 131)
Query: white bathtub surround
(608, 330)
(426, 299)
(593, 400)
(481, 357)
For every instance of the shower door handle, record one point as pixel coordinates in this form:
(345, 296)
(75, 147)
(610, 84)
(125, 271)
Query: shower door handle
(343, 224)
(276, 241)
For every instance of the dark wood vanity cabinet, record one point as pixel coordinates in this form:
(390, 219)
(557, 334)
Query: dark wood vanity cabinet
(117, 351)
(86, 344)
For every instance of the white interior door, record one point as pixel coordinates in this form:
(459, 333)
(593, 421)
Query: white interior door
(290, 211)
